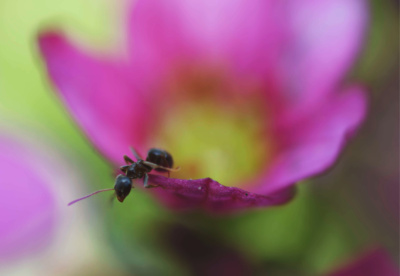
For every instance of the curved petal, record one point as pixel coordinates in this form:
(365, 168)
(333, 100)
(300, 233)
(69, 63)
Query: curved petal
(313, 144)
(210, 195)
(27, 206)
(100, 96)
(324, 39)
(307, 45)
(237, 34)
(376, 262)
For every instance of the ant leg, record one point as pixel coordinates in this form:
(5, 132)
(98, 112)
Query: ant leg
(124, 168)
(136, 154)
(128, 161)
(146, 182)
(155, 166)
(164, 163)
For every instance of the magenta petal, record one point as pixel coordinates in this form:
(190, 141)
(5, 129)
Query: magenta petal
(311, 145)
(377, 262)
(324, 39)
(241, 35)
(27, 206)
(100, 97)
(309, 45)
(155, 39)
(208, 194)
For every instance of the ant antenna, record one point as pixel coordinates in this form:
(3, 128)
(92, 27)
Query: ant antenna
(136, 154)
(99, 191)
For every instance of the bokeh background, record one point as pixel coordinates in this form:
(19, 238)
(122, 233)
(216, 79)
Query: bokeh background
(334, 218)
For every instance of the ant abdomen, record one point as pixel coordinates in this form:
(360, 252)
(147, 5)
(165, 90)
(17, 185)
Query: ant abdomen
(161, 158)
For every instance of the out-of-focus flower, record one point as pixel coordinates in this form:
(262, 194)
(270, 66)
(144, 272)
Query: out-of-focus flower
(38, 235)
(373, 263)
(246, 92)
(27, 207)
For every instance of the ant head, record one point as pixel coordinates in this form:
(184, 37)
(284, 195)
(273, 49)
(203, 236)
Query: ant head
(122, 187)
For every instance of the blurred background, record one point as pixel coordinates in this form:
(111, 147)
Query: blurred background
(335, 217)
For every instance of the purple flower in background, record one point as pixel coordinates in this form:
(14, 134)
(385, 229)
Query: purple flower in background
(375, 262)
(27, 207)
(247, 92)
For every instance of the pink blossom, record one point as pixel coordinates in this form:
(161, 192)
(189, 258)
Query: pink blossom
(27, 206)
(280, 63)
(372, 263)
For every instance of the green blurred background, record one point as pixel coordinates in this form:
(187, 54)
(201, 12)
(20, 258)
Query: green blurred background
(333, 218)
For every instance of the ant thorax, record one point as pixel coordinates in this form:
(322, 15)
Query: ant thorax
(137, 170)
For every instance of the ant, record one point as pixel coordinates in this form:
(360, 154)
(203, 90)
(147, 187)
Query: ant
(157, 159)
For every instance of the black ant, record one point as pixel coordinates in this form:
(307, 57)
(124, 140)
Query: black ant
(157, 159)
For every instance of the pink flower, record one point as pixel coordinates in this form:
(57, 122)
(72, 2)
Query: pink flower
(372, 263)
(27, 207)
(254, 86)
